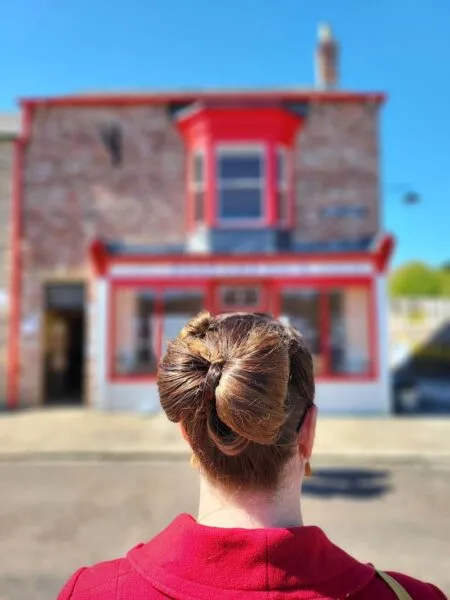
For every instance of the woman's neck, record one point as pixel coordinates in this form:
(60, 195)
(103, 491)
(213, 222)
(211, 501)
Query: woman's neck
(251, 510)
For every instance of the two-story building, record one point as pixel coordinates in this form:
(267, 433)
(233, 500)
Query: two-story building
(133, 212)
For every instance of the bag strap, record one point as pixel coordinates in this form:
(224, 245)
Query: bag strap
(398, 590)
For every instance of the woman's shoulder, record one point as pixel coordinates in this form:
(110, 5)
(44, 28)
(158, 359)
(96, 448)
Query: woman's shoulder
(102, 581)
(94, 582)
(417, 589)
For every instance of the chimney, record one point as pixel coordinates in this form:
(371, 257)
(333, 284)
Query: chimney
(326, 58)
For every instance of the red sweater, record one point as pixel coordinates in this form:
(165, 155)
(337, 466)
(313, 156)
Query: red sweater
(188, 561)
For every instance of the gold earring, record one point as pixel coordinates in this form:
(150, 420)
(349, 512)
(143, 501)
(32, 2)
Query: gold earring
(308, 470)
(194, 462)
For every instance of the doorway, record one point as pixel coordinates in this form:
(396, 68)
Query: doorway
(64, 344)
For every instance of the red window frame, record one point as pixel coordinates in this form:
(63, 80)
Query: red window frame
(270, 301)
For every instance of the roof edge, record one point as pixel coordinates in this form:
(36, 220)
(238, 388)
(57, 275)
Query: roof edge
(168, 97)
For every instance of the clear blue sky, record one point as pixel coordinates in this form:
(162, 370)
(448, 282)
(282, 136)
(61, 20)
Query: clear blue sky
(402, 47)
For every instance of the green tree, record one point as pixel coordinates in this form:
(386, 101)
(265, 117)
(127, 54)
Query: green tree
(445, 281)
(416, 279)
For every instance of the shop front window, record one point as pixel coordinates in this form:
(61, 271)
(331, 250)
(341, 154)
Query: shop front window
(144, 321)
(300, 308)
(177, 308)
(335, 326)
(349, 335)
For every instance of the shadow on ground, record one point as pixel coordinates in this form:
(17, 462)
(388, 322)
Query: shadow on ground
(349, 483)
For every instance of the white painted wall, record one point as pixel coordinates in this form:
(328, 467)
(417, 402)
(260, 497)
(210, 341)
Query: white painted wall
(350, 398)
(133, 397)
(385, 399)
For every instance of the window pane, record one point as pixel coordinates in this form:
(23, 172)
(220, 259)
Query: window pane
(198, 173)
(199, 206)
(300, 308)
(178, 307)
(240, 166)
(350, 353)
(240, 203)
(135, 327)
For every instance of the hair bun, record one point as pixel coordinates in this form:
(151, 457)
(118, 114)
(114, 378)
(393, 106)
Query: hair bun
(198, 326)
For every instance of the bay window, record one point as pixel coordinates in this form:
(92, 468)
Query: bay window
(240, 183)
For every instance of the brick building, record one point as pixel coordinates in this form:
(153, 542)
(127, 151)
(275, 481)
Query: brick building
(133, 212)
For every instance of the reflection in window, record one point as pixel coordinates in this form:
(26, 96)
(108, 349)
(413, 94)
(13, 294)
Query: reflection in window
(350, 351)
(300, 308)
(135, 329)
(178, 307)
(240, 174)
(144, 321)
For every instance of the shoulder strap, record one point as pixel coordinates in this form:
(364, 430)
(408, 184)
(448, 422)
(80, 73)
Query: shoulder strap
(398, 590)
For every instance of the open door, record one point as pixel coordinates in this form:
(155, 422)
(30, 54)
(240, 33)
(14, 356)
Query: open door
(64, 344)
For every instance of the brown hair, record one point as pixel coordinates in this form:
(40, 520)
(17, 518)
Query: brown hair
(240, 384)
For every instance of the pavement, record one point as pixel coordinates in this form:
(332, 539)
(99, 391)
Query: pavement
(89, 434)
(56, 516)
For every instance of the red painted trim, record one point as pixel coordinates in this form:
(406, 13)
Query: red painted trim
(210, 185)
(384, 252)
(99, 258)
(232, 96)
(13, 372)
(292, 204)
(325, 330)
(159, 333)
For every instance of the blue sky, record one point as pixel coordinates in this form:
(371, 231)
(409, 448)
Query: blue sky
(403, 47)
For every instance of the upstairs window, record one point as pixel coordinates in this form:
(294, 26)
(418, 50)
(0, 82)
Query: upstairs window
(197, 182)
(240, 184)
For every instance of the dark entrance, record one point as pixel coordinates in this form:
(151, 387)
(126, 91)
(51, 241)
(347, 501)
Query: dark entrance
(64, 343)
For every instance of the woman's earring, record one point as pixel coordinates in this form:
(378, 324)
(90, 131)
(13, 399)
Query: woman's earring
(194, 462)
(308, 470)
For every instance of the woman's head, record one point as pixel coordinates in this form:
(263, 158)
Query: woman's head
(240, 385)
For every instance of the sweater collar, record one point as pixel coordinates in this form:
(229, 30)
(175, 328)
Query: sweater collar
(189, 560)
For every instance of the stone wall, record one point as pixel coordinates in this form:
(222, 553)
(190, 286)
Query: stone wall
(77, 186)
(337, 173)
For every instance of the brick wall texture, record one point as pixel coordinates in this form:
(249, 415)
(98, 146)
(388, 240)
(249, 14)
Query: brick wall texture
(72, 192)
(6, 152)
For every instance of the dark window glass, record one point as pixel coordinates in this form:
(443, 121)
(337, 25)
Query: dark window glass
(244, 203)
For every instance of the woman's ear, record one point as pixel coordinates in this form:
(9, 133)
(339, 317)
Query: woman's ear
(183, 432)
(308, 433)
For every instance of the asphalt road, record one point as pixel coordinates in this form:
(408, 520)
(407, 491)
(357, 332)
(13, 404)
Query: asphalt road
(55, 517)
